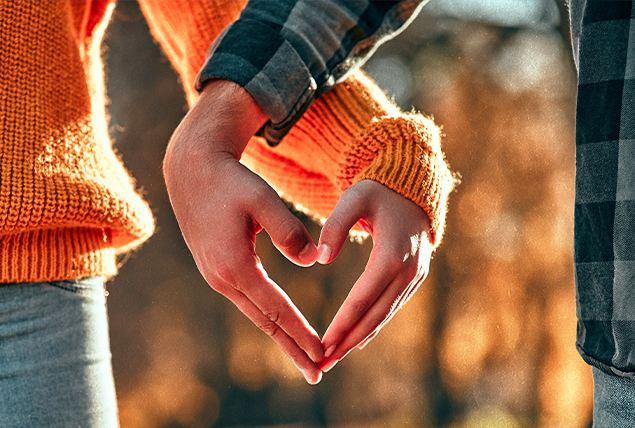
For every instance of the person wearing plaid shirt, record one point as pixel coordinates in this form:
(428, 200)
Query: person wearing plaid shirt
(603, 38)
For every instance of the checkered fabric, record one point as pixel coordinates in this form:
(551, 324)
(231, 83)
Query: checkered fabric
(287, 53)
(604, 252)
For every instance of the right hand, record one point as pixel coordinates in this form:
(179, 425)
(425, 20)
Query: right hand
(221, 205)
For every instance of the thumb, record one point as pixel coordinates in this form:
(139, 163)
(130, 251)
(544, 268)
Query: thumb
(350, 208)
(287, 232)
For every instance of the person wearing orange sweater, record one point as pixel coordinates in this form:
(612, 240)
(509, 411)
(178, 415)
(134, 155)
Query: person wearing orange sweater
(68, 207)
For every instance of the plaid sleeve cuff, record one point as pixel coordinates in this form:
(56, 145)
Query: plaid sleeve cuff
(268, 67)
(288, 53)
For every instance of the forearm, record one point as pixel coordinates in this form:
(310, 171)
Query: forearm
(327, 150)
(200, 143)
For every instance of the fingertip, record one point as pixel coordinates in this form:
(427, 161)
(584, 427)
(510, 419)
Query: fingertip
(309, 254)
(287, 232)
(317, 379)
(331, 339)
(312, 378)
(328, 365)
(329, 359)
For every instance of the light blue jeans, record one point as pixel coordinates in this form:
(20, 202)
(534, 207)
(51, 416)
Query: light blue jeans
(55, 361)
(613, 401)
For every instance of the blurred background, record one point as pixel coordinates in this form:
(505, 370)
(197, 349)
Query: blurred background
(487, 341)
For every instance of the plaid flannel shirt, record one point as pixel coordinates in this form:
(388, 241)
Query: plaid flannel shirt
(288, 53)
(604, 253)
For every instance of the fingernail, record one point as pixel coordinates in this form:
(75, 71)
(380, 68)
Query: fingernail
(305, 255)
(328, 366)
(324, 254)
(329, 351)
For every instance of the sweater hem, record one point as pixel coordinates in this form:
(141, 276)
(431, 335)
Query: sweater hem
(56, 254)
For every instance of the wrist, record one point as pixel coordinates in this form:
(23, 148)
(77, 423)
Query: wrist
(231, 114)
(404, 154)
(218, 126)
(222, 120)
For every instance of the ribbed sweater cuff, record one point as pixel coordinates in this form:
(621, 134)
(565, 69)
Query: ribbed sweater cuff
(56, 254)
(403, 153)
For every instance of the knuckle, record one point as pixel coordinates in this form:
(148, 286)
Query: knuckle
(229, 273)
(400, 263)
(273, 316)
(237, 273)
(356, 193)
(292, 234)
(395, 264)
(333, 228)
(225, 273)
(269, 327)
(217, 285)
(359, 307)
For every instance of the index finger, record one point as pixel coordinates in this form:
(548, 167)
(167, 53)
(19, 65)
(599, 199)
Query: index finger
(289, 346)
(363, 295)
(249, 287)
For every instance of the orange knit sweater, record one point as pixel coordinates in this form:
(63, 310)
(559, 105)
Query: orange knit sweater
(67, 205)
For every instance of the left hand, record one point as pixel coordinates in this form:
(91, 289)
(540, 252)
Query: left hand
(398, 263)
